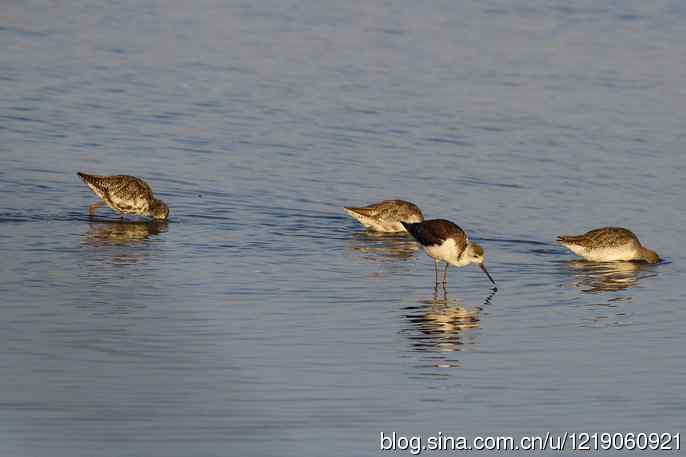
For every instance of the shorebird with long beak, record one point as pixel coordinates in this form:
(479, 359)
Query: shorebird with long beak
(608, 244)
(386, 216)
(444, 240)
(126, 195)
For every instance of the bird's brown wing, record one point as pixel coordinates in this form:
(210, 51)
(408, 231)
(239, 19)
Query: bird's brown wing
(131, 194)
(121, 192)
(600, 238)
(366, 211)
(375, 209)
(388, 209)
(436, 231)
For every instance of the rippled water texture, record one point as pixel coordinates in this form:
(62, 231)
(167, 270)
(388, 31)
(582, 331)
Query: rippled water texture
(261, 320)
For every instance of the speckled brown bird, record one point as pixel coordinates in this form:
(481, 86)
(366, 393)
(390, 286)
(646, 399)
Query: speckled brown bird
(608, 244)
(386, 216)
(444, 240)
(126, 195)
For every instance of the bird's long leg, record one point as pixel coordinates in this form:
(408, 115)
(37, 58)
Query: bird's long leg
(436, 270)
(445, 275)
(93, 207)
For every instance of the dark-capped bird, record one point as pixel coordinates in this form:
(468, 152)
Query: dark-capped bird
(446, 241)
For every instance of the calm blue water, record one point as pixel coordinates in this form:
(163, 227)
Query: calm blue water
(261, 320)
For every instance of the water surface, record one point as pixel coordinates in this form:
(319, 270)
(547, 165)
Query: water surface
(261, 320)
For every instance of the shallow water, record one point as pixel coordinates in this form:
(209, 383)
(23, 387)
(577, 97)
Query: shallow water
(261, 320)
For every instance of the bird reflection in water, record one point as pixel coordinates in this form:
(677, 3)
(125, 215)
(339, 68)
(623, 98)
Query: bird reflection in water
(114, 255)
(443, 324)
(383, 246)
(598, 277)
(123, 233)
(122, 242)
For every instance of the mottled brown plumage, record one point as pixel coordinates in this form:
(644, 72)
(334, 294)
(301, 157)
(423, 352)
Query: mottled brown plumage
(126, 195)
(608, 244)
(387, 215)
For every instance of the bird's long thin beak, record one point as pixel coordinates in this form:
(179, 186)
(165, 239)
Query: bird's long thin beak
(483, 267)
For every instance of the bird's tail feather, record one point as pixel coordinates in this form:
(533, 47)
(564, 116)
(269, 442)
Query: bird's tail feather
(569, 238)
(88, 179)
(366, 212)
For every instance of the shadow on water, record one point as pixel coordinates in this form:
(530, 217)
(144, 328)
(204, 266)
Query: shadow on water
(441, 324)
(383, 246)
(598, 277)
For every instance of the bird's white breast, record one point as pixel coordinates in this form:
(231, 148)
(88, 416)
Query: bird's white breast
(446, 251)
(623, 252)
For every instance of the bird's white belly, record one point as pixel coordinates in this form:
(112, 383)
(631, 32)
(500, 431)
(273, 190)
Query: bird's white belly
(447, 251)
(605, 254)
(612, 254)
